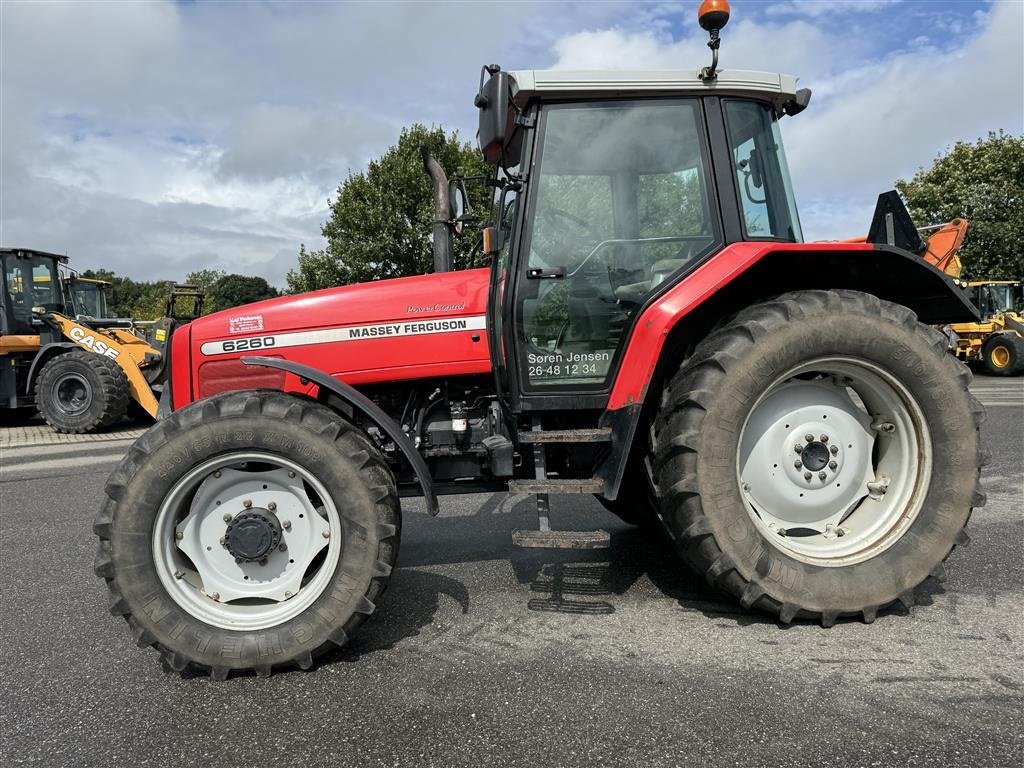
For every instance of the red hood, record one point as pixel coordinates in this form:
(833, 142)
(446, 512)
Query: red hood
(406, 328)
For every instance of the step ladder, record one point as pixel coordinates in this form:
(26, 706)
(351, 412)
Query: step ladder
(541, 486)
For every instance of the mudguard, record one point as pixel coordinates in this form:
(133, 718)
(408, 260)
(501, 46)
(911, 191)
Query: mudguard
(45, 353)
(369, 409)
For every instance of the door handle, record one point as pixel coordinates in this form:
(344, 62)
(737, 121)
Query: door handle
(539, 273)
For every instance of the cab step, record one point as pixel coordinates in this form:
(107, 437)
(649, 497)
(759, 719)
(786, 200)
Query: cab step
(561, 539)
(558, 486)
(599, 435)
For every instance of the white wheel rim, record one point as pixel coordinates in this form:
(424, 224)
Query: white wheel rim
(205, 579)
(834, 461)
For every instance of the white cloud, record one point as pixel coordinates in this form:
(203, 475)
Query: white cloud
(817, 8)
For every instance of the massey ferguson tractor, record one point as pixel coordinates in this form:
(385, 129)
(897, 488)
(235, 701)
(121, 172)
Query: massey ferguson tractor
(652, 330)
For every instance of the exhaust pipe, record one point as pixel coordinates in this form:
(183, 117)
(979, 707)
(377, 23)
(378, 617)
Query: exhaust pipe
(442, 213)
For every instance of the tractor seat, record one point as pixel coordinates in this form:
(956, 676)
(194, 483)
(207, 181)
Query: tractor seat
(634, 293)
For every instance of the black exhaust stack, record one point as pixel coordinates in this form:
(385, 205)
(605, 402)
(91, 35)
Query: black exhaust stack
(442, 213)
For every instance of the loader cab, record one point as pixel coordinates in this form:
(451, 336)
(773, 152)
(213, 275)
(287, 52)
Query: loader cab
(995, 297)
(88, 296)
(612, 191)
(30, 280)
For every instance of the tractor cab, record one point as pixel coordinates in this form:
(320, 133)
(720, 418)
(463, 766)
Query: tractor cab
(613, 189)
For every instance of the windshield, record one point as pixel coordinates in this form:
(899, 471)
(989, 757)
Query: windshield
(620, 206)
(762, 176)
(31, 282)
(993, 299)
(89, 299)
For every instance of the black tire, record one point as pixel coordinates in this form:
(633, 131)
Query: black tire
(340, 456)
(1003, 354)
(81, 391)
(695, 439)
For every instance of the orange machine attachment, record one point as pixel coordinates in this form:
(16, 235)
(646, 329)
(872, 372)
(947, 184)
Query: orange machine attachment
(941, 246)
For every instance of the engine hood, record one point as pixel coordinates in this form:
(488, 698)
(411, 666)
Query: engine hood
(411, 327)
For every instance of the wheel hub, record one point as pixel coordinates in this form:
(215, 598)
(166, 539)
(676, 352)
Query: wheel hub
(807, 457)
(815, 456)
(252, 535)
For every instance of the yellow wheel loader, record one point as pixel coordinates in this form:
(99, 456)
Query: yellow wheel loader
(80, 371)
(997, 342)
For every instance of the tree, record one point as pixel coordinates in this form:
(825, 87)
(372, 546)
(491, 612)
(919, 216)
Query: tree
(141, 300)
(204, 278)
(983, 183)
(381, 219)
(235, 290)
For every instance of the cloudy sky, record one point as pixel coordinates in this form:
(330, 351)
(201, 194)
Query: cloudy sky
(154, 138)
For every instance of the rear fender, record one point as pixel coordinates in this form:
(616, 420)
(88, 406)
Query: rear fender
(745, 273)
(672, 323)
(360, 402)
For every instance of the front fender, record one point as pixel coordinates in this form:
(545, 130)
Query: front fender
(370, 410)
(44, 354)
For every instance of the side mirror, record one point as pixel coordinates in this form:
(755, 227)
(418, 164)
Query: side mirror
(458, 202)
(492, 101)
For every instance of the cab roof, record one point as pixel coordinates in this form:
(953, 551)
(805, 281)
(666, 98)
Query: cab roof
(30, 252)
(553, 83)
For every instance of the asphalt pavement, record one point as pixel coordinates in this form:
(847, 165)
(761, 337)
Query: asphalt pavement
(484, 654)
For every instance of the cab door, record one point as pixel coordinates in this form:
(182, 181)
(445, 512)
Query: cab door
(617, 206)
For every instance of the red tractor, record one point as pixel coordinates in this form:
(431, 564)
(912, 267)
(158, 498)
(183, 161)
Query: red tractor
(651, 330)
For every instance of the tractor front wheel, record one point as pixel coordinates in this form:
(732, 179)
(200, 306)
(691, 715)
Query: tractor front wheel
(248, 531)
(818, 456)
(80, 391)
(1003, 354)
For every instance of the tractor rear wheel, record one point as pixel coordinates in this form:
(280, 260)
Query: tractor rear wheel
(248, 531)
(80, 391)
(1003, 354)
(818, 456)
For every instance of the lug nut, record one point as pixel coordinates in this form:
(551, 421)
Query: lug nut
(798, 464)
(824, 438)
(227, 518)
(263, 561)
(798, 448)
(272, 506)
(822, 475)
(326, 534)
(807, 475)
(832, 465)
(286, 524)
(247, 503)
(834, 449)
(179, 535)
(809, 438)
(283, 546)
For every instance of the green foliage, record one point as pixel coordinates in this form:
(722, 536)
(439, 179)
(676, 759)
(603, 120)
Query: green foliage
(983, 183)
(381, 219)
(235, 290)
(141, 300)
(147, 300)
(204, 278)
